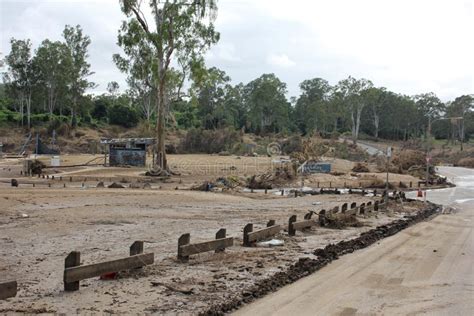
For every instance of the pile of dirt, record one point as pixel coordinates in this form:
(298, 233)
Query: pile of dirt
(359, 167)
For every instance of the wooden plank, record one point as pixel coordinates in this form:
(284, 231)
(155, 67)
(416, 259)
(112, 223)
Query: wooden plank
(8, 289)
(303, 224)
(264, 233)
(93, 270)
(192, 249)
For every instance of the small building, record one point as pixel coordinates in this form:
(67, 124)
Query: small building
(126, 151)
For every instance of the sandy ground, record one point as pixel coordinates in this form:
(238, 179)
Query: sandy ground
(195, 169)
(103, 223)
(40, 225)
(425, 269)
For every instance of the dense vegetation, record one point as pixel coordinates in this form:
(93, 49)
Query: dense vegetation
(48, 86)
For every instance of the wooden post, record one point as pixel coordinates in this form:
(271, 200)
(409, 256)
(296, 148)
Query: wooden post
(184, 239)
(282, 192)
(70, 179)
(8, 289)
(72, 260)
(136, 248)
(221, 233)
(344, 208)
(330, 184)
(318, 184)
(291, 230)
(411, 184)
(265, 190)
(322, 218)
(376, 206)
(247, 229)
(271, 223)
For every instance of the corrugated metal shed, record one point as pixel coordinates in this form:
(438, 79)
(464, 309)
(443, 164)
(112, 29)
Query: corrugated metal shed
(127, 151)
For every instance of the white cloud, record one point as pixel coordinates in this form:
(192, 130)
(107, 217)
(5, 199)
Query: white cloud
(408, 46)
(280, 60)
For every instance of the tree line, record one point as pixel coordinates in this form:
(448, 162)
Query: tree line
(169, 86)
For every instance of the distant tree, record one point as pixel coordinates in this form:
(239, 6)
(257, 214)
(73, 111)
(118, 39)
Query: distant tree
(209, 93)
(269, 110)
(21, 76)
(138, 65)
(351, 91)
(311, 107)
(123, 115)
(460, 109)
(179, 26)
(113, 89)
(77, 44)
(375, 99)
(429, 107)
(52, 63)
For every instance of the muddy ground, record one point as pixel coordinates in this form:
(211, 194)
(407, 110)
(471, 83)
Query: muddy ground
(40, 226)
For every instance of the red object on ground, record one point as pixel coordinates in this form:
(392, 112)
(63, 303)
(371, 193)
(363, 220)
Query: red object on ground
(420, 194)
(109, 276)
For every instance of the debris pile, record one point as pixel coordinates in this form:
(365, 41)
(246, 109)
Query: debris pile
(37, 167)
(223, 183)
(466, 162)
(359, 167)
(267, 180)
(408, 158)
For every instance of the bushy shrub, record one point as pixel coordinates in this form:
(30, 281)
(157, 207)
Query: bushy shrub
(123, 115)
(199, 140)
(9, 116)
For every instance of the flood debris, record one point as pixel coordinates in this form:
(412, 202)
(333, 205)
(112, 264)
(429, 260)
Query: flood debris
(359, 167)
(323, 256)
(116, 185)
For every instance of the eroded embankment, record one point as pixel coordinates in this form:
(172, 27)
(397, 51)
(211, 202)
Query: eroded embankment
(306, 266)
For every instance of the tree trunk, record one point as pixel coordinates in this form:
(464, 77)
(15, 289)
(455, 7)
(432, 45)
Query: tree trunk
(28, 109)
(376, 124)
(160, 124)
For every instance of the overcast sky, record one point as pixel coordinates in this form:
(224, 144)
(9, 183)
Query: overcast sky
(408, 46)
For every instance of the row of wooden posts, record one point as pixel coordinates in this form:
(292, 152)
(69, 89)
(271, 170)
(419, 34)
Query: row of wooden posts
(74, 272)
(318, 184)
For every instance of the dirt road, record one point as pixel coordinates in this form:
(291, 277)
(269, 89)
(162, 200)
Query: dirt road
(426, 269)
